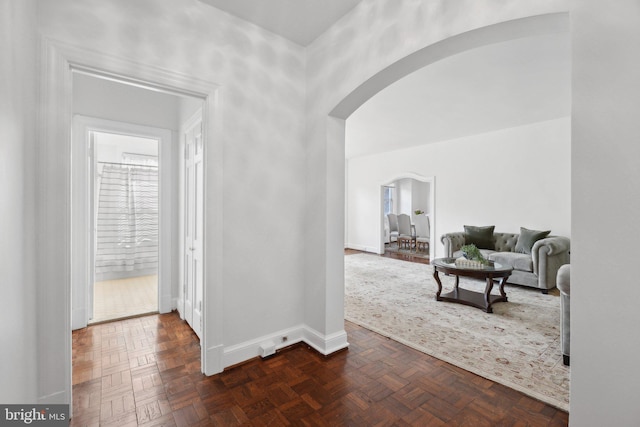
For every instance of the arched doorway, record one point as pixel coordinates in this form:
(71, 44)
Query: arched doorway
(361, 97)
(421, 197)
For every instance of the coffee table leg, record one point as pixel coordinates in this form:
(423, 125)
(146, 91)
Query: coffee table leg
(503, 280)
(435, 276)
(487, 295)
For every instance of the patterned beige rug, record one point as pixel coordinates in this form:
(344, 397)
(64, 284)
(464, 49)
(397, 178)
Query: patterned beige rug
(518, 345)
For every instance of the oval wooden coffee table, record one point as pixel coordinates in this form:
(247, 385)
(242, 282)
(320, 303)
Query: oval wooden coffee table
(481, 300)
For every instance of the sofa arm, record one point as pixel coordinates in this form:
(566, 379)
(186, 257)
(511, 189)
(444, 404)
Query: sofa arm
(554, 245)
(452, 242)
(549, 255)
(563, 281)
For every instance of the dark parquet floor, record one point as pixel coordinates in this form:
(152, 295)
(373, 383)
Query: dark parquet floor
(403, 256)
(146, 371)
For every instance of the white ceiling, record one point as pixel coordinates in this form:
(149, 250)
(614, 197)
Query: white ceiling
(486, 89)
(300, 21)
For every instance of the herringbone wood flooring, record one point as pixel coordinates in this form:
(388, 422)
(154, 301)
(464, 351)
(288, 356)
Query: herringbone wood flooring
(146, 371)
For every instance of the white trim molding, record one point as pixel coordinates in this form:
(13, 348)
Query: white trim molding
(325, 344)
(213, 361)
(53, 253)
(242, 352)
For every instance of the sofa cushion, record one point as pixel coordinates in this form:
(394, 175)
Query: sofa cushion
(514, 260)
(527, 238)
(482, 237)
(505, 242)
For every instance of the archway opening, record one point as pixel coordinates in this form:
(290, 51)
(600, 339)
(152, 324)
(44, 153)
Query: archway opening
(458, 170)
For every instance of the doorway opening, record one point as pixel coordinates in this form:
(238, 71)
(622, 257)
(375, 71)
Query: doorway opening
(411, 196)
(125, 228)
(127, 149)
(64, 227)
(122, 219)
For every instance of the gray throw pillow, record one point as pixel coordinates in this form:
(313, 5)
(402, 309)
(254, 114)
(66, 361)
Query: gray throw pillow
(527, 238)
(482, 237)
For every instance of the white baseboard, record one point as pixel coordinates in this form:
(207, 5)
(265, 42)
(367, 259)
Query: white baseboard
(213, 360)
(248, 350)
(325, 344)
(180, 308)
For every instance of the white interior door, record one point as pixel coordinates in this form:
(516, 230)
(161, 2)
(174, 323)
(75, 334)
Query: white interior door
(193, 221)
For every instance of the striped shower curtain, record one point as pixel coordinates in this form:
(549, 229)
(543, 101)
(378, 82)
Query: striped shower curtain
(127, 222)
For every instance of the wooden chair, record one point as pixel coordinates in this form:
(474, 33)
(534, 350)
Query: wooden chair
(406, 237)
(422, 232)
(393, 227)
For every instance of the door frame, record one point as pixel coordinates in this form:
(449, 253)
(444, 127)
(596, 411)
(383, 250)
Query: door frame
(55, 251)
(83, 200)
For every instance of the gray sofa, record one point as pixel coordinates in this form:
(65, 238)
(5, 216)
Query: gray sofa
(537, 270)
(564, 284)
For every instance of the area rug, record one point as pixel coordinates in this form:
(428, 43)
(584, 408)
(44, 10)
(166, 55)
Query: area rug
(518, 345)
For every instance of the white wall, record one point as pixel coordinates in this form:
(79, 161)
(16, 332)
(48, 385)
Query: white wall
(18, 348)
(605, 343)
(511, 178)
(404, 194)
(260, 106)
(419, 196)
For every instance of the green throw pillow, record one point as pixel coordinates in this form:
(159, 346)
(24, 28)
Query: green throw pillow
(482, 237)
(527, 238)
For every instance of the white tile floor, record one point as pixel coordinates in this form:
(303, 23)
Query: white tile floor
(115, 299)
